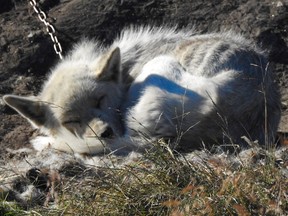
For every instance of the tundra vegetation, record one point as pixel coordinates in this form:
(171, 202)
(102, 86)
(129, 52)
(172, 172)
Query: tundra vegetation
(163, 182)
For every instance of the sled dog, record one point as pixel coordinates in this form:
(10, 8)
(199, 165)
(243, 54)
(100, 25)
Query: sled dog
(155, 83)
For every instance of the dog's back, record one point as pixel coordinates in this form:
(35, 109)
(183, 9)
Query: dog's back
(79, 105)
(244, 100)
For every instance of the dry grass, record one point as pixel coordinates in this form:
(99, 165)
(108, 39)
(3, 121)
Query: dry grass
(167, 183)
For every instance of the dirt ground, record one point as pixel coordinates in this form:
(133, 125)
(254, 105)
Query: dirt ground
(27, 51)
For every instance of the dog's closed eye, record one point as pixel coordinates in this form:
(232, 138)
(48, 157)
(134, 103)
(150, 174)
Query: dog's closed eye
(72, 121)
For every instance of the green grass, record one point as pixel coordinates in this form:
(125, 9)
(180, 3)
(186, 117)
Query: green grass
(162, 183)
(167, 183)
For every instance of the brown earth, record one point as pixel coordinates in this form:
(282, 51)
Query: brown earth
(27, 52)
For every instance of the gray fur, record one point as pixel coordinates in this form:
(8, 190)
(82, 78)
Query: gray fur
(214, 88)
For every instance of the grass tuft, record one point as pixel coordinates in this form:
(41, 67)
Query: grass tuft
(164, 182)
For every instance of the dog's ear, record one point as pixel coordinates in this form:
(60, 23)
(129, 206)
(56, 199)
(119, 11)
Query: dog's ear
(31, 109)
(108, 68)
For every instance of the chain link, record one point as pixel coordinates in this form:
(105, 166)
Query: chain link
(49, 27)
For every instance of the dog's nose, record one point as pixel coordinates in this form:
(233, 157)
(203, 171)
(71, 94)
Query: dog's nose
(108, 133)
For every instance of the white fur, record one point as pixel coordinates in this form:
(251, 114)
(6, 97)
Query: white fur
(188, 89)
(167, 96)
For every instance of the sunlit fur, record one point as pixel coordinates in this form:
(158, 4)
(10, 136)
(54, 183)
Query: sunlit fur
(187, 88)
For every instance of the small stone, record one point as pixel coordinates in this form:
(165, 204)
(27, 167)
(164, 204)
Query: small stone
(3, 41)
(279, 4)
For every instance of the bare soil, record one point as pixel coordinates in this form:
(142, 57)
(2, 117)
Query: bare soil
(27, 51)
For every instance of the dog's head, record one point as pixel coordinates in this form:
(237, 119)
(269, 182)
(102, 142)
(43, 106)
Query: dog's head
(79, 104)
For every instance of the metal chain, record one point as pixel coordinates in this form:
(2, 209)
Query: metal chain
(49, 27)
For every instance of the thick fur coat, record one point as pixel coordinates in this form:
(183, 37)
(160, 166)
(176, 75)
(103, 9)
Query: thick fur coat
(155, 83)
